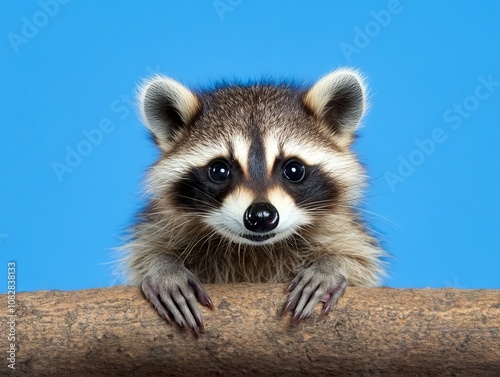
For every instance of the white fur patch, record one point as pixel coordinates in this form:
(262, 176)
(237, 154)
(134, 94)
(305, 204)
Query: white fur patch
(228, 219)
(291, 216)
(271, 148)
(241, 148)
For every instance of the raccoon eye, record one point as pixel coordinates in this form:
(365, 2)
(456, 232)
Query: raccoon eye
(294, 171)
(218, 171)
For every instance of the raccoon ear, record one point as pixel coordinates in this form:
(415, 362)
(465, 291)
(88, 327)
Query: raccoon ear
(339, 99)
(166, 107)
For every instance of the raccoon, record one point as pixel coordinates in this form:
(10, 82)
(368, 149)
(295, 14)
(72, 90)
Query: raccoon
(256, 182)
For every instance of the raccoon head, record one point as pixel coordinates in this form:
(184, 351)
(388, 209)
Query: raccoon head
(255, 163)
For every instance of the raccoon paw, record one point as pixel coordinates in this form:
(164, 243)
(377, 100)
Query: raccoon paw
(175, 298)
(310, 287)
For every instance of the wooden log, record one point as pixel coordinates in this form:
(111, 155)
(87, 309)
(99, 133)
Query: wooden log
(372, 331)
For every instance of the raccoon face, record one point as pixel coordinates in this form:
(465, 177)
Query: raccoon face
(256, 163)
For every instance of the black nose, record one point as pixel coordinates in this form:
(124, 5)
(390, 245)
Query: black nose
(261, 217)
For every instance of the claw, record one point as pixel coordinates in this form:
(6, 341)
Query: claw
(152, 295)
(288, 306)
(297, 317)
(308, 289)
(336, 293)
(201, 294)
(291, 303)
(195, 331)
(175, 298)
(293, 284)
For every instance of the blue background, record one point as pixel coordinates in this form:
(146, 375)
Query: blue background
(68, 69)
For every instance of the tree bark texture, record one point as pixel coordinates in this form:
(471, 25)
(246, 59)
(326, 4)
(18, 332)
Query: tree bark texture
(372, 331)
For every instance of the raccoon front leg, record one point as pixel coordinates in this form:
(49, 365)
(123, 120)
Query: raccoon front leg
(322, 281)
(174, 293)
